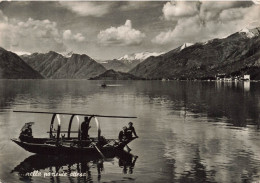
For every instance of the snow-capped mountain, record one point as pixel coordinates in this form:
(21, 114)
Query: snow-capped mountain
(237, 54)
(67, 54)
(127, 62)
(185, 45)
(139, 56)
(22, 53)
(250, 33)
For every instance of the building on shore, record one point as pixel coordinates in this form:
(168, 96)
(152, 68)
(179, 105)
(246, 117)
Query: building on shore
(246, 77)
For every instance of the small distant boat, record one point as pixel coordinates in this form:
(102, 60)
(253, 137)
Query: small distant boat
(104, 85)
(58, 144)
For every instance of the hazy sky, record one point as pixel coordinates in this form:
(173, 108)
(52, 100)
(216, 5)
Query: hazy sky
(105, 30)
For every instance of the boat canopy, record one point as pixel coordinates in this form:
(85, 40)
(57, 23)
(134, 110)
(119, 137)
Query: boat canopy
(54, 114)
(78, 114)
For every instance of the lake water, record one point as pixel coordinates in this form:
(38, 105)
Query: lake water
(189, 131)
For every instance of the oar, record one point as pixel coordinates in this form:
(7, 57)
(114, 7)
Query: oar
(98, 150)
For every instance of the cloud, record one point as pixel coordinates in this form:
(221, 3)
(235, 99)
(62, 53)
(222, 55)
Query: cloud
(96, 9)
(180, 32)
(3, 27)
(30, 35)
(210, 10)
(137, 5)
(207, 9)
(213, 20)
(101, 8)
(178, 9)
(67, 35)
(220, 6)
(3, 18)
(35, 35)
(122, 35)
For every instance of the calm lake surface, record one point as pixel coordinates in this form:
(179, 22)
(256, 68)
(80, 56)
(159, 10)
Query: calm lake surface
(189, 131)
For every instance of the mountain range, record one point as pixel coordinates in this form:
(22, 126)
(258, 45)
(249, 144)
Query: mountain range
(128, 62)
(56, 66)
(116, 75)
(13, 67)
(138, 56)
(117, 65)
(236, 54)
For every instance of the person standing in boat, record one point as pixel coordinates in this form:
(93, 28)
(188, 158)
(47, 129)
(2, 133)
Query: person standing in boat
(124, 137)
(131, 131)
(85, 127)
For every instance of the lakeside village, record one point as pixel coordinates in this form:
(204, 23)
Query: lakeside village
(221, 77)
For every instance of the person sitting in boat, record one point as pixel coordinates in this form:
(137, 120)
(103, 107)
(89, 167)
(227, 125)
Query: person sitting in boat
(131, 131)
(26, 131)
(85, 127)
(123, 135)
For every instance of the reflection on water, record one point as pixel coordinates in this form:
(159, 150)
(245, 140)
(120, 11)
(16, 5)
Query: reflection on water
(231, 100)
(128, 164)
(70, 168)
(190, 131)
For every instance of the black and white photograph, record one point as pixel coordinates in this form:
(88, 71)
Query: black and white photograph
(130, 91)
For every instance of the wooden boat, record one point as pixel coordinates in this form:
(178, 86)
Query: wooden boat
(104, 85)
(56, 144)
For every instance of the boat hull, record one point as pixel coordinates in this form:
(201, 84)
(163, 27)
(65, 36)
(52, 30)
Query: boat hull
(53, 149)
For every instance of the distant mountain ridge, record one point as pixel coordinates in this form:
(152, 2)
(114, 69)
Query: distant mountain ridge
(239, 53)
(117, 65)
(13, 67)
(236, 54)
(115, 75)
(139, 56)
(128, 62)
(56, 66)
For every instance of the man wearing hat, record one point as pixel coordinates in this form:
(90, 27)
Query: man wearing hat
(84, 128)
